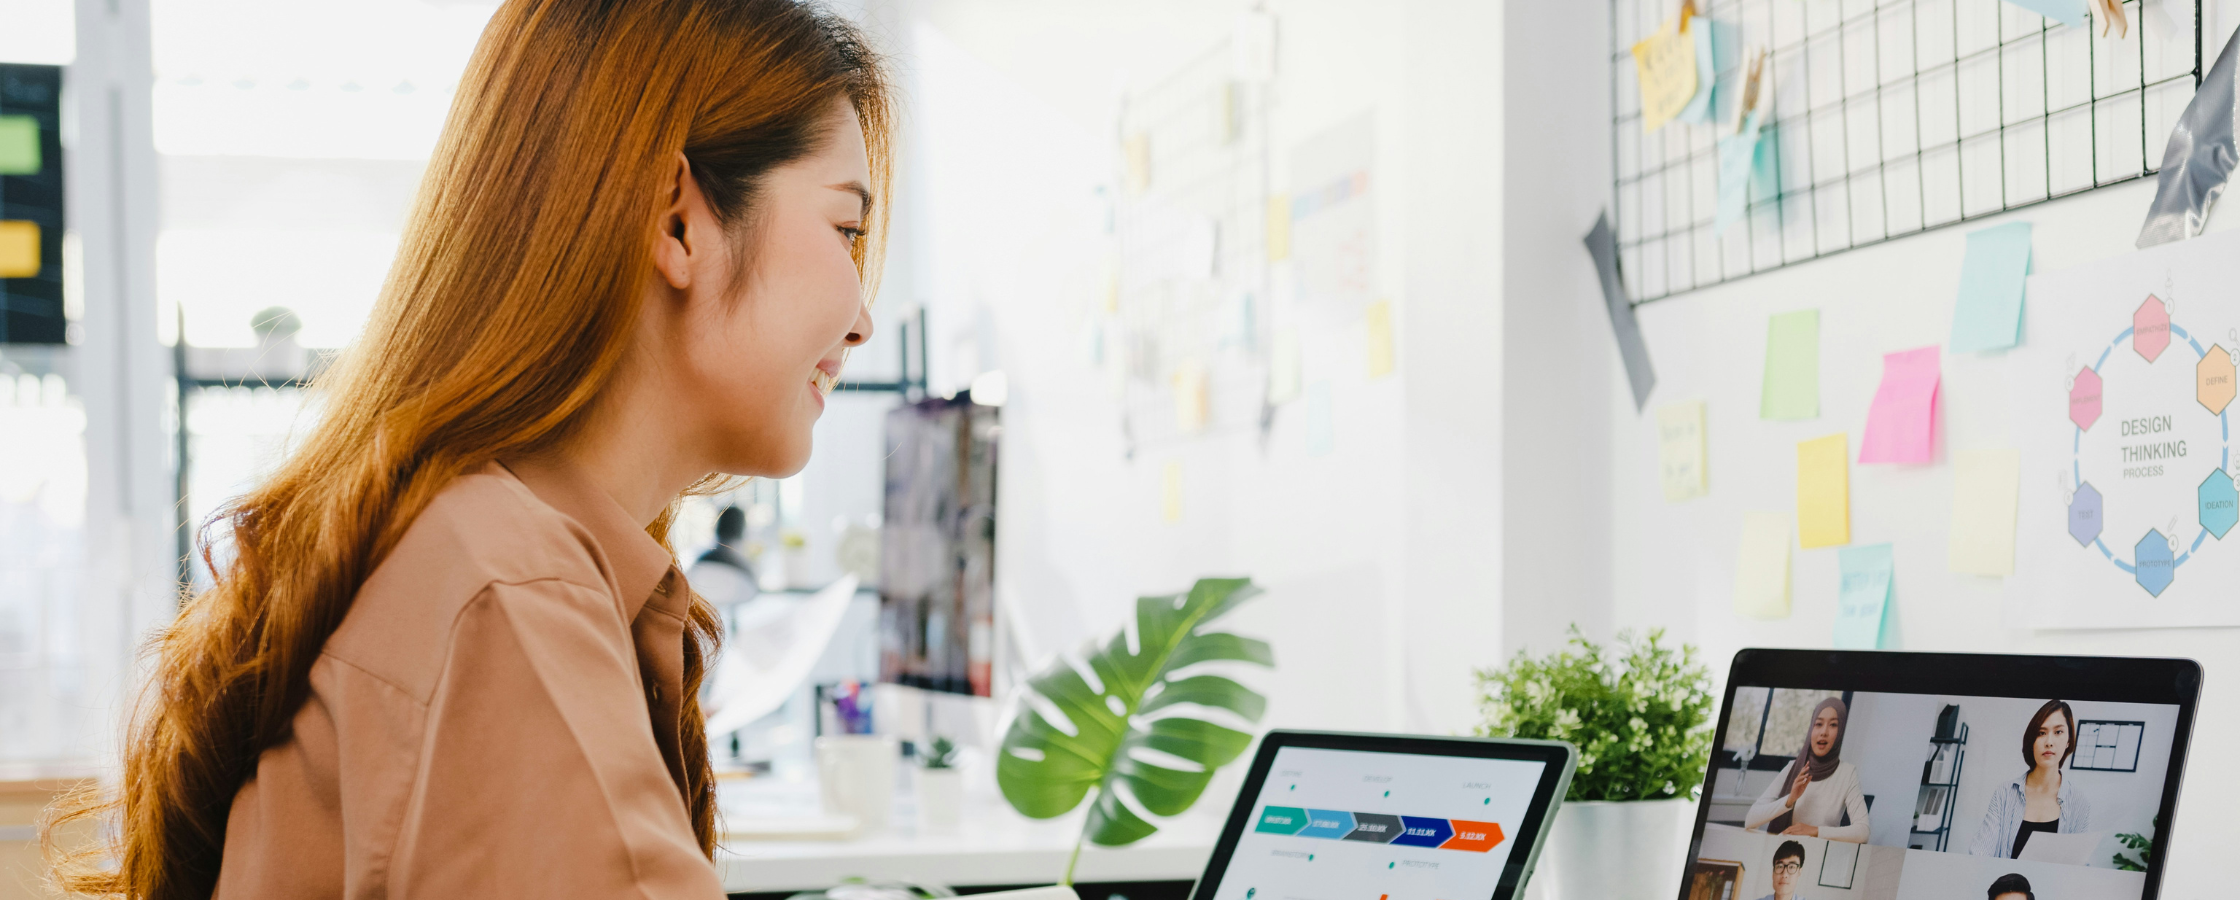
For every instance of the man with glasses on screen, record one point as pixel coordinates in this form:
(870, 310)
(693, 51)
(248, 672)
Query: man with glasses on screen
(1788, 865)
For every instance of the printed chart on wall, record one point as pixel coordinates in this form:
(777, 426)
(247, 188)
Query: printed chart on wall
(2122, 401)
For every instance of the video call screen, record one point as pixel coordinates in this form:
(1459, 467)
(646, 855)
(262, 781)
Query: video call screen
(1839, 795)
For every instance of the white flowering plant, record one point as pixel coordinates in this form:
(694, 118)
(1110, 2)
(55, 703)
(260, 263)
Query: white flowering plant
(1640, 713)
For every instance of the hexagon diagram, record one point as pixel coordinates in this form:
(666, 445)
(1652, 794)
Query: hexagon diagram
(2150, 328)
(2084, 399)
(2212, 380)
(2220, 504)
(2151, 562)
(2084, 515)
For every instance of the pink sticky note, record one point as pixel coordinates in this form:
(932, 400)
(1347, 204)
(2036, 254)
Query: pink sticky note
(1901, 425)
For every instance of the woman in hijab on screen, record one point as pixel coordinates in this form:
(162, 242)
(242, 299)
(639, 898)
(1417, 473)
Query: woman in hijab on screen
(1817, 791)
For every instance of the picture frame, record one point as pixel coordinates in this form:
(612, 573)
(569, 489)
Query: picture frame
(1839, 862)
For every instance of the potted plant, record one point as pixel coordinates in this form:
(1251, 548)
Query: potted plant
(1640, 715)
(1123, 699)
(940, 788)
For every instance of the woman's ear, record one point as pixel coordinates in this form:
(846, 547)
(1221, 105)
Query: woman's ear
(675, 240)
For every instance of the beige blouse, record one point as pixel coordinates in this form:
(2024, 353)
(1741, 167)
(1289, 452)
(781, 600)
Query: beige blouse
(496, 716)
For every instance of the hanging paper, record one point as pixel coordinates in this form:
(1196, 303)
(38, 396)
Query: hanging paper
(1761, 568)
(1863, 597)
(1665, 62)
(1988, 313)
(1985, 487)
(1681, 451)
(1823, 492)
(1901, 424)
(1791, 385)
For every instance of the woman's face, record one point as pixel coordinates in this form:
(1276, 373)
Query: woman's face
(1827, 728)
(762, 337)
(2051, 742)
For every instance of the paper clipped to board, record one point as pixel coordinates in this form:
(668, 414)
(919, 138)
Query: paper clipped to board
(1987, 315)
(1901, 425)
(1791, 389)
(1986, 484)
(2066, 12)
(1665, 62)
(1761, 567)
(1824, 492)
(1681, 456)
(1863, 597)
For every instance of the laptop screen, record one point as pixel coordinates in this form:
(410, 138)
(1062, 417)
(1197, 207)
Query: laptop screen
(1367, 825)
(1826, 794)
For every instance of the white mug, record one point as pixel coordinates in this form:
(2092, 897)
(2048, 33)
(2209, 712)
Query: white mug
(855, 777)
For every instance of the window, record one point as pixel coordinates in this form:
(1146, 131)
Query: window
(1768, 725)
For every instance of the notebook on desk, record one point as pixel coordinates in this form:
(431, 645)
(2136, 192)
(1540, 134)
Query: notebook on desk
(1967, 755)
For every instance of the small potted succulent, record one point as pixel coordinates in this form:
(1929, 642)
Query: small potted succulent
(940, 788)
(1640, 714)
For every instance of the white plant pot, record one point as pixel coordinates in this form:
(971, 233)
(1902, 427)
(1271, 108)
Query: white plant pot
(940, 800)
(1614, 850)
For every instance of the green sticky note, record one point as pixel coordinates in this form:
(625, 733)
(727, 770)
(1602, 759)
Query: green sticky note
(1792, 379)
(19, 145)
(1988, 313)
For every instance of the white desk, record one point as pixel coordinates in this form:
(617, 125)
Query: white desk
(995, 846)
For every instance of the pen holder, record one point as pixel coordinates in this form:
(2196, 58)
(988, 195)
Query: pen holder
(855, 777)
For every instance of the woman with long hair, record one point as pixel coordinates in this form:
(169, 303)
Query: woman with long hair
(1817, 792)
(447, 652)
(2041, 800)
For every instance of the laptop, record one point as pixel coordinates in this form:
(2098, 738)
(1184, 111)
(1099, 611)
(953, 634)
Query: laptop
(1387, 817)
(1874, 774)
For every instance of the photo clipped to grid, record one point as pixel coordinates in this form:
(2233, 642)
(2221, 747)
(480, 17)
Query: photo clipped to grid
(1884, 118)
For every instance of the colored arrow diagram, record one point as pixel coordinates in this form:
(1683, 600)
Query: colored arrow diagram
(1379, 828)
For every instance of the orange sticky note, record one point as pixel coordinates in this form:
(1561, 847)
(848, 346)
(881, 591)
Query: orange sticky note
(19, 249)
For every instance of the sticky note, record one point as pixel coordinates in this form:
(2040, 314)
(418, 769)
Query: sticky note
(1988, 313)
(1320, 421)
(1136, 150)
(1761, 567)
(19, 249)
(1283, 366)
(1170, 491)
(2066, 12)
(1824, 491)
(1379, 320)
(1680, 451)
(1666, 64)
(1901, 424)
(1738, 159)
(1791, 389)
(19, 145)
(1718, 49)
(1279, 228)
(1863, 597)
(1190, 396)
(1985, 485)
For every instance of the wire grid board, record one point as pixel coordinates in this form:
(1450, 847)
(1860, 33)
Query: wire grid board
(1191, 243)
(1889, 118)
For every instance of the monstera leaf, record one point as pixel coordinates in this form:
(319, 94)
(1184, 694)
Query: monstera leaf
(1126, 722)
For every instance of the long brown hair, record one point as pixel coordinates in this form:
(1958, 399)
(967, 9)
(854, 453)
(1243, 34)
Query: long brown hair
(509, 306)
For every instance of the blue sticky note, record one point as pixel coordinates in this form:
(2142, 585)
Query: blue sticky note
(1988, 313)
(1863, 597)
(2066, 12)
(1738, 159)
(1718, 46)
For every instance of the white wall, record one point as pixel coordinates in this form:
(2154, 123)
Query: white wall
(1384, 553)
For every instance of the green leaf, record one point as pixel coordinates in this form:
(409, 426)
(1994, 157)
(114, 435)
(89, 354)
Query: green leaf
(1115, 747)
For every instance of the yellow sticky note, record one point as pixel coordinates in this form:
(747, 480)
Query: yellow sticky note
(19, 249)
(1190, 396)
(1283, 366)
(1761, 567)
(1680, 451)
(1279, 228)
(1137, 150)
(1824, 491)
(1666, 65)
(1985, 485)
(1171, 490)
(1380, 338)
